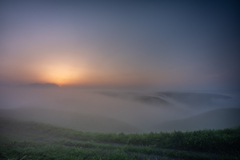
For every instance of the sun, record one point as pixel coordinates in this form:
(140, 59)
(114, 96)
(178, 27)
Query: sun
(62, 74)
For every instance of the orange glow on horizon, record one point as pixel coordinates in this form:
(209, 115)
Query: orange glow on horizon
(62, 75)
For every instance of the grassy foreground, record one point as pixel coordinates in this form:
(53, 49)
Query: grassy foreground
(31, 140)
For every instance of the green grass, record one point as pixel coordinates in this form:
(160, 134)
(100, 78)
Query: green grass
(31, 140)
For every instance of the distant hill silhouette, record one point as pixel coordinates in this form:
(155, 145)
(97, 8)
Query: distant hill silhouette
(194, 99)
(147, 99)
(215, 119)
(43, 85)
(152, 100)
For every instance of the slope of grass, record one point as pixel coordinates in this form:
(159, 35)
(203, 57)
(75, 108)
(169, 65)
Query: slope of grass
(91, 150)
(42, 141)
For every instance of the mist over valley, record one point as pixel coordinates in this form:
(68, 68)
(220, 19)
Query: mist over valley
(116, 111)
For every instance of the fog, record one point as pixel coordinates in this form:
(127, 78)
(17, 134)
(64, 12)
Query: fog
(112, 110)
(71, 64)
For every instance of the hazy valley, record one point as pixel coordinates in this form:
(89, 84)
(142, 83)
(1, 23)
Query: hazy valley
(117, 111)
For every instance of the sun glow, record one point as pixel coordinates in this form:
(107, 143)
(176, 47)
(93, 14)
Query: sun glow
(62, 75)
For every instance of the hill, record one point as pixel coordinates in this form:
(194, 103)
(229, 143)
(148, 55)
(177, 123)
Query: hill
(216, 119)
(78, 121)
(194, 99)
(32, 140)
(43, 85)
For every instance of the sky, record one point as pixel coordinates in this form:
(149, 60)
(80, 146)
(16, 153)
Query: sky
(120, 43)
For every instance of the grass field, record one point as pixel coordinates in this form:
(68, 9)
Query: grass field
(31, 140)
